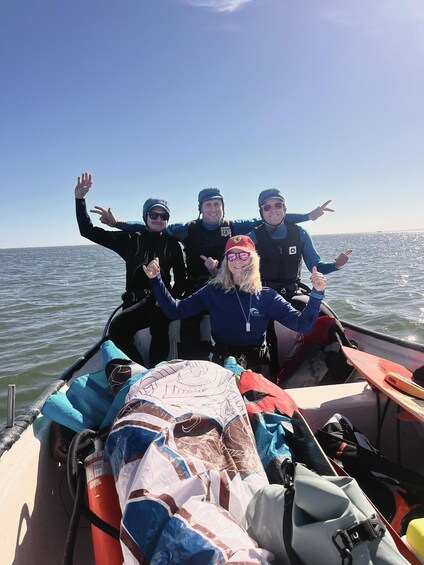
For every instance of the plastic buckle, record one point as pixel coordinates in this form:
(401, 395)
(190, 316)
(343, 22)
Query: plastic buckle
(345, 547)
(367, 530)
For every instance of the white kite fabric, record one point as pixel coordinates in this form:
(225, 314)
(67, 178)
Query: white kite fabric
(186, 466)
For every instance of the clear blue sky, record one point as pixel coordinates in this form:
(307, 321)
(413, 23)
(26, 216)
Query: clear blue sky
(323, 99)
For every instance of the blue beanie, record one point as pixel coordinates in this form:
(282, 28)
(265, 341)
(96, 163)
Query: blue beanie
(269, 193)
(151, 203)
(208, 194)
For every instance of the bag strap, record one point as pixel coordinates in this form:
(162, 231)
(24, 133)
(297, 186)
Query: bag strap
(367, 530)
(343, 539)
(287, 471)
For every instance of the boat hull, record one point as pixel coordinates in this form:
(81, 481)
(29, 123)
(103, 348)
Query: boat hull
(35, 506)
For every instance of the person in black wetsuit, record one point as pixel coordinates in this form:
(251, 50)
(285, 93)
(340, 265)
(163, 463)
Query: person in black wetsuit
(137, 249)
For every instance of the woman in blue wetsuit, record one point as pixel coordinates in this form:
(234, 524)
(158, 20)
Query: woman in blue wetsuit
(239, 307)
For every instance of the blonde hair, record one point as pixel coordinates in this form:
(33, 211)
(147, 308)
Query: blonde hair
(251, 279)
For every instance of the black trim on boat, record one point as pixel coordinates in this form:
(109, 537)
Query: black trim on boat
(8, 436)
(385, 337)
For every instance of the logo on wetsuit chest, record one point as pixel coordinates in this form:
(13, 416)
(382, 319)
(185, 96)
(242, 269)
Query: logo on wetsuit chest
(254, 313)
(226, 231)
(292, 250)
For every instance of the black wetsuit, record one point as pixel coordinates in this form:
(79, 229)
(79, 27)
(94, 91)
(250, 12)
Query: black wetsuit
(281, 259)
(209, 243)
(139, 309)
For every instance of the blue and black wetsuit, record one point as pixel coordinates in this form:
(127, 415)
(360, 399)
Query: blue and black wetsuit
(281, 250)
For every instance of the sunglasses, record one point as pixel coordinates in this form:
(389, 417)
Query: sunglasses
(243, 255)
(268, 207)
(156, 215)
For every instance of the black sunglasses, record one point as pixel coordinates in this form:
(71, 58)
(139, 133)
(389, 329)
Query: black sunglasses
(156, 215)
(268, 207)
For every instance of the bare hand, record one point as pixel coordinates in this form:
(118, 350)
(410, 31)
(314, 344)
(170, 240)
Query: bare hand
(106, 216)
(343, 258)
(317, 280)
(153, 269)
(210, 263)
(84, 184)
(318, 212)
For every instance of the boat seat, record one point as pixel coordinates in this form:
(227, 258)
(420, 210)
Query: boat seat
(142, 338)
(289, 341)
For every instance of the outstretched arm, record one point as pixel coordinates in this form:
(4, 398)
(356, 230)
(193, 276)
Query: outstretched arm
(313, 259)
(243, 227)
(108, 217)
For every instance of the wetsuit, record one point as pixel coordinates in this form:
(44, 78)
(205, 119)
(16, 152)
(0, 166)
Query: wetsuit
(202, 238)
(139, 306)
(281, 250)
(239, 320)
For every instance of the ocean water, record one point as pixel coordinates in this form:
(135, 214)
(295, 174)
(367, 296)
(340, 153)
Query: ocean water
(54, 301)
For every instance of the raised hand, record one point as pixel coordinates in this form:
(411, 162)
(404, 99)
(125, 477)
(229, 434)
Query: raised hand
(106, 216)
(317, 280)
(343, 258)
(318, 212)
(84, 183)
(153, 269)
(210, 263)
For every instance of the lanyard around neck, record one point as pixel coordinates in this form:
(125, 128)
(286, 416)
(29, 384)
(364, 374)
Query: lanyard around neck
(246, 318)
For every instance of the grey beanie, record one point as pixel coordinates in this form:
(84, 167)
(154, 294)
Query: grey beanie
(151, 203)
(269, 193)
(209, 194)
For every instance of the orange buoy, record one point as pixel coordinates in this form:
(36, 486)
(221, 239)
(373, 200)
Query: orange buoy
(103, 501)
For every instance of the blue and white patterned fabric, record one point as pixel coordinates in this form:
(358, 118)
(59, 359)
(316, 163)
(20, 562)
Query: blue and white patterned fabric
(186, 466)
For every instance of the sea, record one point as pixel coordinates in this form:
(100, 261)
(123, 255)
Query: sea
(55, 301)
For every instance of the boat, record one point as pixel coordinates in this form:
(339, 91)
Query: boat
(35, 502)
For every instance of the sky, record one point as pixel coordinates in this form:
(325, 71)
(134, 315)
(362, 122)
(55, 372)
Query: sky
(166, 97)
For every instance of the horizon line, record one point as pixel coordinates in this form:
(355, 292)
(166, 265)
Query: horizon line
(314, 235)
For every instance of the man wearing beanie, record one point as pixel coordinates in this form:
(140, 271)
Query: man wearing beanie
(282, 245)
(139, 308)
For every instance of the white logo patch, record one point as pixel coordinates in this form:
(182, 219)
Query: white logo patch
(226, 231)
(292, 250)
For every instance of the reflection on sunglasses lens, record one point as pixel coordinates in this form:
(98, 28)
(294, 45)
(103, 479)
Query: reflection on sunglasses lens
(243, 255)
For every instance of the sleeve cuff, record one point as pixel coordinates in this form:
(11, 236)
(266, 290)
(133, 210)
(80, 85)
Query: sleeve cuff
(317, 294)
